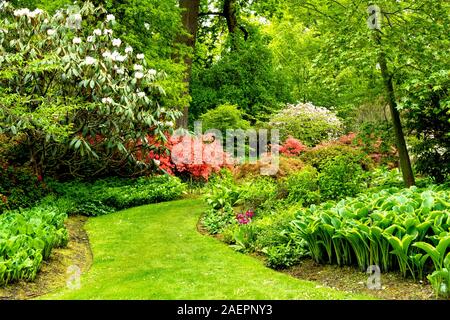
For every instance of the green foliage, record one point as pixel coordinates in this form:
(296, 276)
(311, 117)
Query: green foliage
(389, 228)
(19, 187)
(340, 178)
(303, 186)
(108, 195)
(216, 220)
(76, 96)
(319, 156)
(284, 256)
(307, 123)
(245, 77)
(27, 238)
(258, 192)
(224, 117)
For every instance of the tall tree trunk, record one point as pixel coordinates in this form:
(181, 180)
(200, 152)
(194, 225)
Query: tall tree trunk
(230, 14)
(405, 162)
(190, 22)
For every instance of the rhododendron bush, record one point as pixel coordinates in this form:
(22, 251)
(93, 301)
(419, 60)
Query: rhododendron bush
(308, 123)
(66, 78)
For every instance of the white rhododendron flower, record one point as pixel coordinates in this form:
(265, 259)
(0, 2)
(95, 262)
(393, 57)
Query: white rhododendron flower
(120, 71)
(128, 50)
(76, 40)
(116, 56)
(141, 94)
(90, 39)
(147, 26)
(98, 32)
(152, 72)
(51, 32)
(106, 54)
(46, 21)
(169, 124)
(116, 42)
(110, 17)
(77, 17)
(138, 67)
(35, 13)
(89, 60)
(138, 75)
(21, 12)
(140, 56)
(107, 100)
(107, 31)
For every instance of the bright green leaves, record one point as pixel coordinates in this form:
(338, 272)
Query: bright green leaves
(392, 229)
(26, 238)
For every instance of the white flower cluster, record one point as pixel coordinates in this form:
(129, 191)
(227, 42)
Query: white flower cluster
(3, 4)
(310, 111)
(90, 61)
(115, 56)
(110, 17)
(27, 12)
(107, 100)
(116, 42)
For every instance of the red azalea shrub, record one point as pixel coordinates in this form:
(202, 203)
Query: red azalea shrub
(292, 147)
(186, 155)
(198, 156)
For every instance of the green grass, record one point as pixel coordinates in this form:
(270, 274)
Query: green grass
(155, 252)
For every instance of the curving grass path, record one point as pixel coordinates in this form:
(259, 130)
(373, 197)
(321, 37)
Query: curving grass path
(155, 252)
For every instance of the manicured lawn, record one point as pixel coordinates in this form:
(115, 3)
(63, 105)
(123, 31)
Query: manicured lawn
(155, 252)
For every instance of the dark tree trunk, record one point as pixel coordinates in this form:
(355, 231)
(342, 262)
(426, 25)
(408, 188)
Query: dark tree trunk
(190, 22)
(405, 162)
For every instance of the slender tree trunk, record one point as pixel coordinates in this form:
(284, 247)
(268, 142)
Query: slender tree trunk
(405, 162)
(190, 22)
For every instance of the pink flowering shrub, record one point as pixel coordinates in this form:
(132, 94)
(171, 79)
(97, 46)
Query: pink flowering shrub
(194, 157)
(292, 147)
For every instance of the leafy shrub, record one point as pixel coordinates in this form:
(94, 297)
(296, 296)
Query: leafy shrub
(307, 123)
(284, 256)
(108, 195)
(303, 186)
(377, 140)
(292, 147)
(223, 191)
(111, 94)
(27, 238)
(286, 167)
(320, 155)
(224, 117)
(19, 187)
(258, 191)
(245, 77)
(340, 178)
(244, 237)
(433, 157)
(216, 220)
